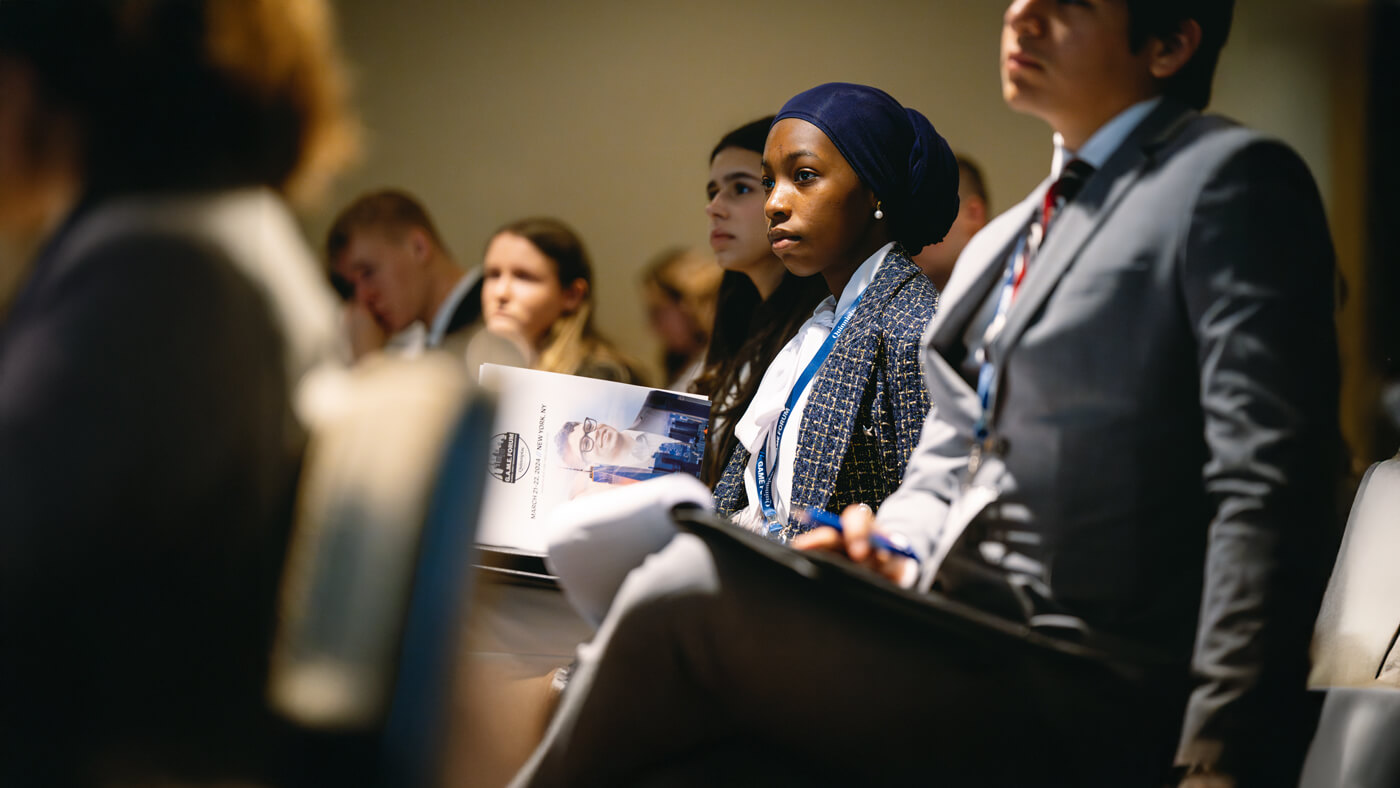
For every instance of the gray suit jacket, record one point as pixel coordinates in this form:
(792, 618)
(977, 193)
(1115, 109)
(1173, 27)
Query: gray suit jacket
(1167, 422)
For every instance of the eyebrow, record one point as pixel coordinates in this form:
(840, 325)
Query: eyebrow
(797, 154)
(730, 177)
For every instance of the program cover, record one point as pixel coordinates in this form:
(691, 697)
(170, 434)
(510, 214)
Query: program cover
(557, 437)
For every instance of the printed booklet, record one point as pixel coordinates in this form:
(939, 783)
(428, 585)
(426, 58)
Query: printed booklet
(557, 437)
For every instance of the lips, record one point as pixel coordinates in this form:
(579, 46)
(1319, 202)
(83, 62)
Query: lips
(781, 239)
(719, 237)
(379, 317)
(502, 318)
(1015, 60)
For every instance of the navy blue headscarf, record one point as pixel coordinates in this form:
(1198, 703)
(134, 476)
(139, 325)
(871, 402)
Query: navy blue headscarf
(895, 151)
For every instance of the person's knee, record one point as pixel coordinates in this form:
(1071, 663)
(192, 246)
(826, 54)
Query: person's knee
(682, 575)
(675, 618)
(652, 615)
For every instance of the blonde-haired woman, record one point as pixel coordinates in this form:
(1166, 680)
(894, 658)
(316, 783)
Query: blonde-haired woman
(538, 286)
(680, 288)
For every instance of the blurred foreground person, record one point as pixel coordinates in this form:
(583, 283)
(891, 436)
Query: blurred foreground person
(149, 443)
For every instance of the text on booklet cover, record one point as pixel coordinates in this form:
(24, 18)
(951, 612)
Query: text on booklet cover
(558, 437)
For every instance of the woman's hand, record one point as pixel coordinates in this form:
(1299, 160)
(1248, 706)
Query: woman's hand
(854, 541)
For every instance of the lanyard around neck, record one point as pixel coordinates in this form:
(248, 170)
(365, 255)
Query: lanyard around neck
(764, 474)
(986, 376)
(1071, 180)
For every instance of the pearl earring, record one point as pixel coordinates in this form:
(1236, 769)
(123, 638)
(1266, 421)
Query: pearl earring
(879, 214)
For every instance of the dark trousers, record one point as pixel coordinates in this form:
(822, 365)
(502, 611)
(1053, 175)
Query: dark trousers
(720, 657)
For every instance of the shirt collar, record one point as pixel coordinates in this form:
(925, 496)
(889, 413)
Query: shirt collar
(1104, 141)
(769, 398)
(438, 330)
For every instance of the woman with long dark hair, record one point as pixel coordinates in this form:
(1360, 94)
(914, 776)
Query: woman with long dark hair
(760, 305)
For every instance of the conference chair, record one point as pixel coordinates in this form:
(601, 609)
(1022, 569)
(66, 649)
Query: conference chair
(378, 573)
(1355, 656)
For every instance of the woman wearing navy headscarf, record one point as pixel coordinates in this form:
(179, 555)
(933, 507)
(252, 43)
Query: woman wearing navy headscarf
(856, 185)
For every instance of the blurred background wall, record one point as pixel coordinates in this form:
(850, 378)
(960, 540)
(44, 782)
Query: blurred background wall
(603, 113)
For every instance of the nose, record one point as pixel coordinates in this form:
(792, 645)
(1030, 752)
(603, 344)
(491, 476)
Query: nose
(777, 207)
(497, 289)
(714, 208)
(1024, 17)
(507, 289)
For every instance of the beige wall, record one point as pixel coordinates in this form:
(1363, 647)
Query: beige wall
(603, 113)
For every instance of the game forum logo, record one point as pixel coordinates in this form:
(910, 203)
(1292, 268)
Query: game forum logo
(510, 457)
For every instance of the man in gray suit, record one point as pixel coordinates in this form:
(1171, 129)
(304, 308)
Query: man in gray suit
(1120, 503)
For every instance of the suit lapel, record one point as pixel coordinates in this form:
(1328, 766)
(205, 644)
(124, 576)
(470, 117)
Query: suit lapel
(841, 381)
(977, 272)
(1079, 220)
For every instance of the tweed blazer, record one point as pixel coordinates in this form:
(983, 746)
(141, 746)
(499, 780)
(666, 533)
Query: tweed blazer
(866, 405)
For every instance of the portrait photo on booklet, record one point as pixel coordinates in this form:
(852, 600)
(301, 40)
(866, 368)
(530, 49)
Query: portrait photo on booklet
(558, 437)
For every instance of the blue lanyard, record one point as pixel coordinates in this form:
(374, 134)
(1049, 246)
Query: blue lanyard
(987, 376)
(763, 473)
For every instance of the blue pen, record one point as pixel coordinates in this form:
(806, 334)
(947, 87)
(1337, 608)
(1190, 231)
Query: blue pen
(815, 517)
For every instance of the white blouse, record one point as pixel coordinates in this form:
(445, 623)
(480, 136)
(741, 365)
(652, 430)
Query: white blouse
(758, 426)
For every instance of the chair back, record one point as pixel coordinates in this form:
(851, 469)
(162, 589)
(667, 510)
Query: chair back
(1360, 615)
(377, 573)
(423, 693)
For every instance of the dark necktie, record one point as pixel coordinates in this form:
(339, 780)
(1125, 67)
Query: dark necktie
(1071, 180)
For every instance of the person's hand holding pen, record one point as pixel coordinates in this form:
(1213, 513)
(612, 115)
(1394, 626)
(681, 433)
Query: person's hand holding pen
(854, 535)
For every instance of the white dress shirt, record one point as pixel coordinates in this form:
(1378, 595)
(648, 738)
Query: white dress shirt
(437, 332)
(758, 426)
(1095, 152)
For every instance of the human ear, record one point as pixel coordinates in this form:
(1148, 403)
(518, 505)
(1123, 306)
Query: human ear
(1171, 53)
(976, 209)
(418, 244)
(573, 295)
